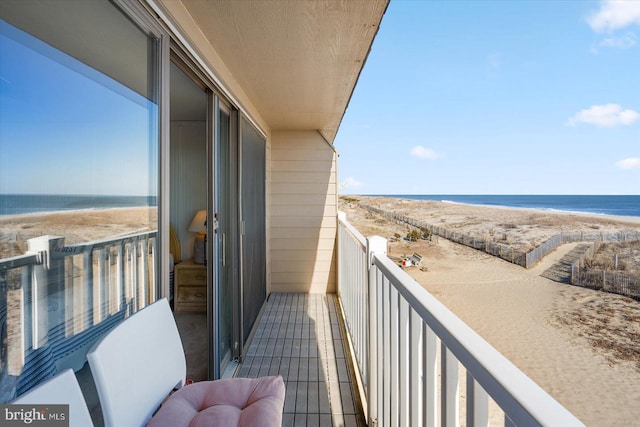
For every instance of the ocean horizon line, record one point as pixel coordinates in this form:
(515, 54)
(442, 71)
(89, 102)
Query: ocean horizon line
(19, 204)
(612, 205)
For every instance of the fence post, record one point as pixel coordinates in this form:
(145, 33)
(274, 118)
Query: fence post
(376, 245)
(47, 286)
(573, 272)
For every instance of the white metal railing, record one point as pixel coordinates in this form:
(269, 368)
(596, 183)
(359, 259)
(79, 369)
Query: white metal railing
(417, 347)
(352, 270)
(55, 298)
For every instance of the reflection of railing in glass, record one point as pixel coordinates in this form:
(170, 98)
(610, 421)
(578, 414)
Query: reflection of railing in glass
(57, 300)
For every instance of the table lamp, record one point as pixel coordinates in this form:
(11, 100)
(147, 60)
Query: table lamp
(199, 225)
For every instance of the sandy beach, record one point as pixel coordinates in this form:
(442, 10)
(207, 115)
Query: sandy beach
(76, 226)
(580, 345)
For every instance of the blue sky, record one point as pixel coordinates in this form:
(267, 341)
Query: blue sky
(68, 129)
(497, 97)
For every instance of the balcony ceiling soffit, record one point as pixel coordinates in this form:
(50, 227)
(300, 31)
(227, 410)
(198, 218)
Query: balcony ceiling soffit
(298, 61)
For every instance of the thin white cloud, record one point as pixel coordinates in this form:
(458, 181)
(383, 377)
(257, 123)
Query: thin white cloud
(351, 183)
(615, 14)
(608, 115)
(630, 163)
(622, 42)
(424, 153)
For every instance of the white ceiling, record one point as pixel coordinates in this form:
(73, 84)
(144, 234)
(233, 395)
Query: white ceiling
(297, 60)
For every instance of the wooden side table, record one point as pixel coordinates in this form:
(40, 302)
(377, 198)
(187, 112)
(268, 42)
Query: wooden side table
(190, 286)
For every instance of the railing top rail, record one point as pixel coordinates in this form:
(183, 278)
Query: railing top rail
(36, 258)
(20, 261)
(342, 219)
(80, 247)
(506, 384)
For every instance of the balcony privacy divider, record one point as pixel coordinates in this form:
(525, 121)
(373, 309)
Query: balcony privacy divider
(409, 349)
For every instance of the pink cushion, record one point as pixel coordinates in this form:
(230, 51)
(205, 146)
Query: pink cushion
(228, 402)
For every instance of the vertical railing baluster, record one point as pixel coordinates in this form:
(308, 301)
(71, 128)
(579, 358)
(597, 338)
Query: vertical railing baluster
(372, 374)
(450, 396)
(430, 367)
(477, 404)
(48, 282)
(415, 376)
(394, 332)
(386, 356)
(14, 300)
(358, 300)
(135, 277)
(142, 266)
(403, 362)
(86, 296)
(70, 313)
(100, 296)
(120, 274)
(153, 283)
(27, 284)
(113, 284)
(379, 355)
(372, 289)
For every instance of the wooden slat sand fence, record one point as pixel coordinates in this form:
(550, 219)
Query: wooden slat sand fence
(497, 249)
(607, 281)
(501, 250)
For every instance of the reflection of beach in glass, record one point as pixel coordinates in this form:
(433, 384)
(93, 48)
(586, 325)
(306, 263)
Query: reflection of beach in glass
(70, 137)
(76, 226)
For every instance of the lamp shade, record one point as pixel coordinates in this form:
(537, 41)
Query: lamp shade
(199, 222)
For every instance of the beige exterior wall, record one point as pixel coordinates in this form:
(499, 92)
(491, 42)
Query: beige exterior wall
(303, 210)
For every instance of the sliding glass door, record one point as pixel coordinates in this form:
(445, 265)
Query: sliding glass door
(240, 243)
(227, 240)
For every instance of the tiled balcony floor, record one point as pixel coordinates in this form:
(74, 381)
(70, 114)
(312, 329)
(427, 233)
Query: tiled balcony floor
(301, 337)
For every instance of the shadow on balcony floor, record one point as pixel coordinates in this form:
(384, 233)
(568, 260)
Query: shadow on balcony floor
(300, 336)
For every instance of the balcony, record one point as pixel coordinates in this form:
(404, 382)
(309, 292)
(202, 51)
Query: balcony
(414, 362)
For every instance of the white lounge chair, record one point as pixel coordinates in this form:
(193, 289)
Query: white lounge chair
(60, 390)
(141, 361)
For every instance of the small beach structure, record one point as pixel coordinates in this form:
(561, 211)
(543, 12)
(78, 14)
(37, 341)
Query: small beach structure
(412, 261)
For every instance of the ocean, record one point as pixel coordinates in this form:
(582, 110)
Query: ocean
(598, 205)
(15, 204)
